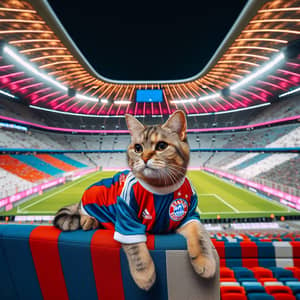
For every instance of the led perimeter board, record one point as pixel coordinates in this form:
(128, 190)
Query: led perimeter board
(149, 96)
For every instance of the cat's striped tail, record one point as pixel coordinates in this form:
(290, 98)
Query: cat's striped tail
(68, 218)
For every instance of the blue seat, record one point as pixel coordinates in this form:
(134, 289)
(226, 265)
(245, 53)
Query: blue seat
(283, 274)
(250, 289)
(242, 272)
(250, 283)
(260, 296)
(294, 286)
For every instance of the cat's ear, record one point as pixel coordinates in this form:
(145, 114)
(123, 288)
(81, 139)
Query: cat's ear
(177, 123)
(134, 126)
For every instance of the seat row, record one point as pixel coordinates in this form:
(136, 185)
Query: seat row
(258, 283)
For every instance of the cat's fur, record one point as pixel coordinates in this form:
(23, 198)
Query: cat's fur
(159, 161)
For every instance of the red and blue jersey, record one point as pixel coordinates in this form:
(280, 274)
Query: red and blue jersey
(123, 204)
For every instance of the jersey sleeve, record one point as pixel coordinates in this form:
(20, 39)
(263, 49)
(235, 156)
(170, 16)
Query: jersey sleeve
(128, 227)
(193, 212)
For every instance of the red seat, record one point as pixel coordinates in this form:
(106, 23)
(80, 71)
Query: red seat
(280, 292)
(226, 274)
(232, 290)
(233, 296)
(283, 297)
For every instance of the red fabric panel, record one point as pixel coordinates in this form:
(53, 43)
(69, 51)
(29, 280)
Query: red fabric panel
(220, 247)
(151, 242)
(249, 254)
(296, 249)
(44, 248)
(105, 252)
(297, 262)
(145, 200)
(222, 262)
(250, 262)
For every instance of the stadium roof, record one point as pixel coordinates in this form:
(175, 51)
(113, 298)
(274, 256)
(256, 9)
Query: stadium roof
(256, 62)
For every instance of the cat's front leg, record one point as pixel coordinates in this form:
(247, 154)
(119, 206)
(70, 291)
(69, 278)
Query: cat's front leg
(200, 248)
(141, 265)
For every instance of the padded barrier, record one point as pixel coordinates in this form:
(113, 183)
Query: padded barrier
(41, 262)
(253, 254)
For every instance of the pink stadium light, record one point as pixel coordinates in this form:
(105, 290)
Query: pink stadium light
(126, 131)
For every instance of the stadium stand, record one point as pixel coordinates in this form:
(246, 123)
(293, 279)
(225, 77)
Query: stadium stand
(286, 173)
(11, 184)
(56, 162)
(38, 164)
(69, 160)
(21, 169)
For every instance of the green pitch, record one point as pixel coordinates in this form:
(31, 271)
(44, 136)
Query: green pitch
(216, 197)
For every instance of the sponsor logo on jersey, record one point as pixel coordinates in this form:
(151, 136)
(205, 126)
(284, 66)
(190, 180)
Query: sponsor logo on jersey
(178, 209)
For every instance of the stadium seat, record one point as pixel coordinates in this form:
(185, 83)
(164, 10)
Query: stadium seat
(233, 296)
(280, 292)
(226, 274)
(232, 290)
(260, 296)
(283, 274)
(243, 274)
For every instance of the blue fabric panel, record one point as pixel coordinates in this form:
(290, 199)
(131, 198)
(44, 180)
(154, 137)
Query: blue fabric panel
(233, 250)
(38, 164)
(159, 290)
(265, 249)
(162, 221)
(170, 242)
(6, 283)
(266, 262)
(69, 160)
(17, 251)
(76, 260)
(234, 262)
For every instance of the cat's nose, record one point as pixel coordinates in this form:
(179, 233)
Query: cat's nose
(145, 159)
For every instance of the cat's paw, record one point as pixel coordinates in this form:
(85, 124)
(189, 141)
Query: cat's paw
(204, 266)
(88, 223)
(145, 278)
(141, 265)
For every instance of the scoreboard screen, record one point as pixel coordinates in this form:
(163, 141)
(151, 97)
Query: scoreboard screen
(149, 96)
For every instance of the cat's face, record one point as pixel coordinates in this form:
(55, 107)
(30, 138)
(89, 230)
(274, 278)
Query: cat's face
(158, 154)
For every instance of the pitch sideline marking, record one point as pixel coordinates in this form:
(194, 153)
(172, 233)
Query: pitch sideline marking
(222, 200)
(242, 212)
(57, 192)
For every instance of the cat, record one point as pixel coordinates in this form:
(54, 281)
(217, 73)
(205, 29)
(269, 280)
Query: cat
(155, 197)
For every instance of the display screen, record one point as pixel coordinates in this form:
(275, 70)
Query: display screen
(149, 96)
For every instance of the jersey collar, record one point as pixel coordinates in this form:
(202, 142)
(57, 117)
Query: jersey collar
(163, 190)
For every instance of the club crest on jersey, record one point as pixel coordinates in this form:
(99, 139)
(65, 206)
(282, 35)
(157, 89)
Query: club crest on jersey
(178, 209)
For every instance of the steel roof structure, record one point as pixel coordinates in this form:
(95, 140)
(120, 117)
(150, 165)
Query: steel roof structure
(257, 61)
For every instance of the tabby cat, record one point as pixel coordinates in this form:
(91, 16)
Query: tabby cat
(155, 197)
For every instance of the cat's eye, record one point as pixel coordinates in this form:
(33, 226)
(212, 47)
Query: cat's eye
(161, 146)
(138, 148)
